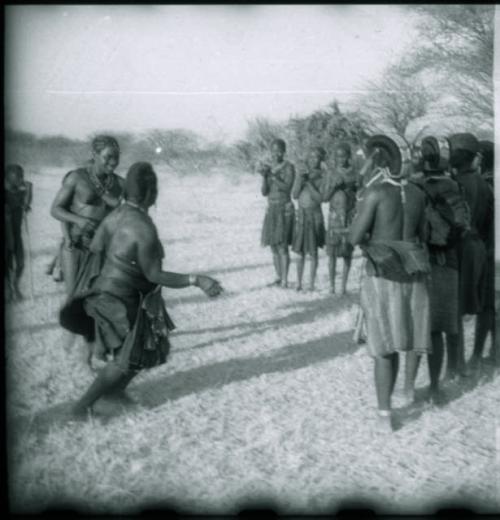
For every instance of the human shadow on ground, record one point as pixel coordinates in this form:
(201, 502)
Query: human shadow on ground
(304, 313)
(154, 393)
(451, 391)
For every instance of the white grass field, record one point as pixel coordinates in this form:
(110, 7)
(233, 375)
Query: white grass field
(265, 398)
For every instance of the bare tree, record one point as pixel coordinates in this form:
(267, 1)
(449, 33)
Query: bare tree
(455, 48)
(396, 103)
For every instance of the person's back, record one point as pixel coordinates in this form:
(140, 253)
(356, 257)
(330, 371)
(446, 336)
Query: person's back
(393, 219)
(124, 229)
(389, 228)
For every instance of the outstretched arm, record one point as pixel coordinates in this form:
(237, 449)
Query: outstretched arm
(150, 258)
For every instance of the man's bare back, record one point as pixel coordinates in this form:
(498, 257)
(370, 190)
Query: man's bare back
(125, 235)
(381, 214)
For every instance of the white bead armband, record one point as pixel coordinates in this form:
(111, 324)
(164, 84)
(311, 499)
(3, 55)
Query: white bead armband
(192, 279)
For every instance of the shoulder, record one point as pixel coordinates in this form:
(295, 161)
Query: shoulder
(142, 226)
(74, 176)
(289, 166)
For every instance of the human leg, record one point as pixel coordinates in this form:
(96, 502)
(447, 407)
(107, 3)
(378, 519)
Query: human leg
(109, 379)
(435, 362)
(300, 270)
(411, 370)
(284, 265)
(452, 342)
(345, 273)
(485, 322)
(313, 269)
(277, 264)
(332, 270)
(386, 371)
(19, 262)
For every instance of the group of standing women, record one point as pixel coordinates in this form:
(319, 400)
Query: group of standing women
(303, 229)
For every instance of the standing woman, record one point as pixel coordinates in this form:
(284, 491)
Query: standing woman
(86, 196)
(277, 230)
(309, 234)
(340, 191)
(123, 308)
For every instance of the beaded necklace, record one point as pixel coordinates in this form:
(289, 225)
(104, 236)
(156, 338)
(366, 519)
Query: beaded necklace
(136, 206)
(100, 187)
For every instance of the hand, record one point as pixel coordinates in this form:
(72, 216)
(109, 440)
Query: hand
(209, 286)
(87, 225)
(263, 169)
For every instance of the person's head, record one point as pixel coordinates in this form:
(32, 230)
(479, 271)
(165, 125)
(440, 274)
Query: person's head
(343, 154)
(278, 149)
(486, 149)
(317, 155)
(463, 150)
(141, 184)
(430, 154)
(14, 175)
(105, 153)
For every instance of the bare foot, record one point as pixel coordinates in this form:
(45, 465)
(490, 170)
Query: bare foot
(276, 283)
(436, 397)
(408, 397)
(384, 422)
(284, 285)
(299, 288)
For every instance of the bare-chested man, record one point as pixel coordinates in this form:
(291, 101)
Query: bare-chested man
(309, 233)
(124, 305)
(87, 195)
(340, 191)
(277, 230)
(18, 198)
(389, 227)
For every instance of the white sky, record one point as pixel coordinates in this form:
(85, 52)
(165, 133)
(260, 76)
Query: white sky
(73, 70)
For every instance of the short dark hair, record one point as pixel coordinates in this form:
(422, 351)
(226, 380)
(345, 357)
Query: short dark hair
(140, 178)
(430, 152)
(100, 142)
(488, 155)
(280, 142)
(461, 157)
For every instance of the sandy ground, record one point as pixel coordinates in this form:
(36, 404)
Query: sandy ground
(265, 398)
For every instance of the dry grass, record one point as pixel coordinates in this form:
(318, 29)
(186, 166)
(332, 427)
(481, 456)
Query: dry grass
(264, 397)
